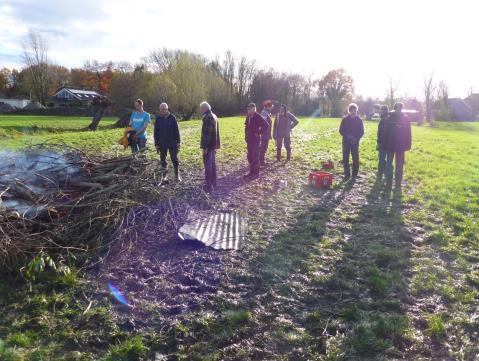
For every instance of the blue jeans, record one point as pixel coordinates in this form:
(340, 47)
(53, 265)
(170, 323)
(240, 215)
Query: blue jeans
(138, 144)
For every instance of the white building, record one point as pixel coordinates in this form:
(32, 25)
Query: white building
(17, 103)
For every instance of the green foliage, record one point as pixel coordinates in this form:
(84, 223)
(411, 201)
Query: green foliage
(43, 263)
(435, 325)
(130, 350)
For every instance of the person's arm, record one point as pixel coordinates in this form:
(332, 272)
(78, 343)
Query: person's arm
(275, 128)
(208, 134)
(177, 132)
(293, 121)
(342, 128)
(264, 126)
(156, 132)
(361, 128)
(145, 125)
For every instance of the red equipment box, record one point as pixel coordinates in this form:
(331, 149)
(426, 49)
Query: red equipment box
(320, 179)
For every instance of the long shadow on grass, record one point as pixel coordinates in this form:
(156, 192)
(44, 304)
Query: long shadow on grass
(340, 270)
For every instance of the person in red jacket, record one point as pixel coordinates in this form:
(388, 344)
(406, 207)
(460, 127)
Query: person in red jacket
(255, 126)
(352, 130)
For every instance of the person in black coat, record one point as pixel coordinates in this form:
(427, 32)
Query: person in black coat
(396, 141)
(384, 114)
(352, 130)
(167, 139)
(255, 126)
(266, 136)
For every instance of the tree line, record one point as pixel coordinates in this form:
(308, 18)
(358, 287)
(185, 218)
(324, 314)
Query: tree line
(183, 79)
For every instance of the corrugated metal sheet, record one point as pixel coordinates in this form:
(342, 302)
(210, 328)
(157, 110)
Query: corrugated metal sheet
(223, 230)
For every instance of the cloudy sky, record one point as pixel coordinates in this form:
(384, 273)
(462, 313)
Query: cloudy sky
(372, 39)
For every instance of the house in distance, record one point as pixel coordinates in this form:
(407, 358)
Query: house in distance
(71, 97)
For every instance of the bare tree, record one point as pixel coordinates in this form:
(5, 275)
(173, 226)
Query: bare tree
(229, 70)
(162, 59)
(391, 91)
(246, 72)
(429, 88)
(35, 57)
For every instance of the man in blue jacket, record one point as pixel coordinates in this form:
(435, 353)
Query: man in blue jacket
(352, 130)
(167, 139)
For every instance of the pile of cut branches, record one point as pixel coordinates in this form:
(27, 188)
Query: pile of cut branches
(60, 200)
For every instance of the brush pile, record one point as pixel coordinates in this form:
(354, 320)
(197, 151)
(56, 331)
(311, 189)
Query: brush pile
(58, 198)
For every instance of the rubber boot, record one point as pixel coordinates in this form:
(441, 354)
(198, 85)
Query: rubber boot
(177, 174)
(288, 155)
(278, 154)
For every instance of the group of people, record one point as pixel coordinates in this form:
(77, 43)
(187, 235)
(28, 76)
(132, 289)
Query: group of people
(259, 129)
(393, 140)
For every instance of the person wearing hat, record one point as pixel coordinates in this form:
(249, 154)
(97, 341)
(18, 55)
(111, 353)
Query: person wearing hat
(266, 136)
(255, 126)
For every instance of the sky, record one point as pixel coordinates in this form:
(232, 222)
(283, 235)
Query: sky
(374, 40)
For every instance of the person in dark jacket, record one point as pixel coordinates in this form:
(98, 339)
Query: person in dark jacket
(210, 142)
(255, 125)
(167, 139)
(352, 130)
(384, 114)
(283, 124)
(396, 141)
(266, 136)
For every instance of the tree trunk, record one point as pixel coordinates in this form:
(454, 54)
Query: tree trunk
(98, 114)
(124, 119)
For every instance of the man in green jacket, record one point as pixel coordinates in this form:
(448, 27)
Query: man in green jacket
(210, 142)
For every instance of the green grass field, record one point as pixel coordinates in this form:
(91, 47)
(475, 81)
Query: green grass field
(355, 272)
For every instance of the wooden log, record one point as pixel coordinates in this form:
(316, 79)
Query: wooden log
(85, 184)
(22, 191)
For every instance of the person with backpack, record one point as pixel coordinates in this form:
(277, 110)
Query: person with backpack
(352, 130)
(396, 141)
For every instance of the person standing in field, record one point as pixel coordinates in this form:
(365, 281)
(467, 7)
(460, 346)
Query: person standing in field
(283, 124)
(255, 126)
(266, 135)
(167, 139)
(384, 115)
(396, 140)
(139, 121)
(352, 130)
(210, 142)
